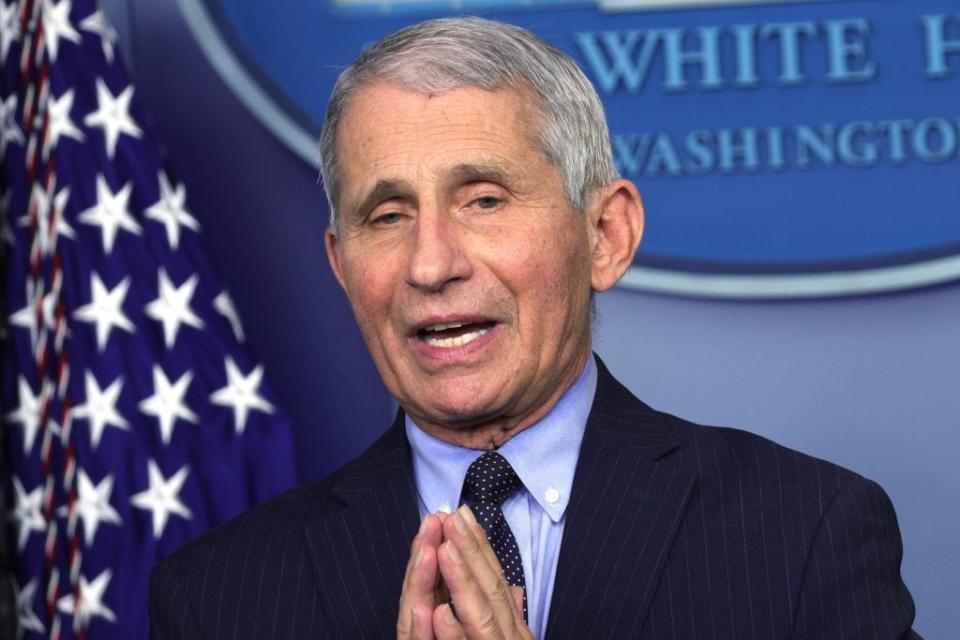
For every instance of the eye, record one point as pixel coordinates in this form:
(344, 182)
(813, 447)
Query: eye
(387, 219)
(487, 202)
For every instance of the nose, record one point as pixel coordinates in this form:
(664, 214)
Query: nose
(437, 256)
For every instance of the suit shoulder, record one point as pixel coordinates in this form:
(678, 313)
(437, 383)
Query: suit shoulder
(727, 457)
(750, 449)
(213, 583)
(279, 517)
(715, 453)
(259, 525)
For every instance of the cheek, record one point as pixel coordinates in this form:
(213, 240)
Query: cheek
(562, 262)
(548, 285)
(370, 294)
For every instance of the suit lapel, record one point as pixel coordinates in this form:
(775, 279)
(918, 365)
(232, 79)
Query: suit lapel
(360, 553)
(627, 500)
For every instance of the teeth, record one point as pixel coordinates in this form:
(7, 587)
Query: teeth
(441, 327)
(458, 341)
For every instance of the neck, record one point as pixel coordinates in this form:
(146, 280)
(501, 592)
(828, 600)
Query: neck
(490, 433)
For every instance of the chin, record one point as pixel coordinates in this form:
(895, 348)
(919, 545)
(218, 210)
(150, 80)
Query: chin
(460, 413)
(455, 400)
(456, 413)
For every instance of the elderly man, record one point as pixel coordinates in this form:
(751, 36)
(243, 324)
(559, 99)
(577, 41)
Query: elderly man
(521, 492)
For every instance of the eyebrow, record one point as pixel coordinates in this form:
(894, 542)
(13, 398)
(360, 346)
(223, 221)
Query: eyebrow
(386, 189)
(484, 172)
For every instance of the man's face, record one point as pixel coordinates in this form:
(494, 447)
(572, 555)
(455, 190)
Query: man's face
(467, 269)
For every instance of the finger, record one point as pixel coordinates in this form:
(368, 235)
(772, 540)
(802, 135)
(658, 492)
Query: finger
(417, 598)
(416, 548)
(517, 593)
(429, 535)
(421, 597)
(432, 529)
(482, 539)
(445, 624)
(474, 610)
(462, 527)
(468, 535)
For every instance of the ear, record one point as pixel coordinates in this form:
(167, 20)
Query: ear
(333, 255)
(616, 226)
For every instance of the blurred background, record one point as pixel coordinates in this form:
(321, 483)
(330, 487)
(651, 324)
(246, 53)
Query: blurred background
(801, 171)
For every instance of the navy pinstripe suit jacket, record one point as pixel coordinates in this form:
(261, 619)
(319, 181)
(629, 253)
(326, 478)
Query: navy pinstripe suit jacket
(673, 531)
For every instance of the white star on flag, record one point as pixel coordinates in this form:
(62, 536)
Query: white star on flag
(26, 616)
(9, 27)
(59, 122)
(51, 221)
(223, 303)
(56, 25)
(161, 497)
(93, 504)
(106, 309)
(9, 129)
(27, 413)
(241, 394)
(167, 403)
(91, 600)
(100, 408)
(172, 306)
(27, 316)
(110, 213)
(26, 512)
(113, 116)
(97, 24)
(171, 212)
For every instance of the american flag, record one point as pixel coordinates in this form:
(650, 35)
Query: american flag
(133, 417)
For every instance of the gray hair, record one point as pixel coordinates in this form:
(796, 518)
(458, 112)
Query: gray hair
(438, 55)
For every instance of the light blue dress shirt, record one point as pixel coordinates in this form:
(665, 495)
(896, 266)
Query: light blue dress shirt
(544, 456)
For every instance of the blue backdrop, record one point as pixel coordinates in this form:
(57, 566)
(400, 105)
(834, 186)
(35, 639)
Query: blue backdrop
(868, 382)
(719, 109)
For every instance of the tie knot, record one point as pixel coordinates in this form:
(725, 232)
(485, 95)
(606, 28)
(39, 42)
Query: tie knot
(490, 479)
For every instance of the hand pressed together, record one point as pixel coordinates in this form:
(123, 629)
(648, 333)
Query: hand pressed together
(452, 560)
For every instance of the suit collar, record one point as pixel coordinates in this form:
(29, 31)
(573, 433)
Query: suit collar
(628, 496)
(359, 554)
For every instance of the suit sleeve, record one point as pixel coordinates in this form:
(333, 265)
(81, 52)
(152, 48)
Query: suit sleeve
(171, 614)
(852, 586)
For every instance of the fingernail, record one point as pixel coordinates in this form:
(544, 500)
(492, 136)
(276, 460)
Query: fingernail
(448, 615)
(418, 559)
(460, 525)
(467, 514)
(452, 552)
(423, 524)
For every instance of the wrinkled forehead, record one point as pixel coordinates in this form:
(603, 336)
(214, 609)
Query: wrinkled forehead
(358, 105)
(464, 131)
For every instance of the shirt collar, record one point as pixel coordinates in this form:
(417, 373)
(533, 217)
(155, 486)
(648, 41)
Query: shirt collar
(544, 455)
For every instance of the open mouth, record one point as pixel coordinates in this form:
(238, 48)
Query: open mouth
(453, 334)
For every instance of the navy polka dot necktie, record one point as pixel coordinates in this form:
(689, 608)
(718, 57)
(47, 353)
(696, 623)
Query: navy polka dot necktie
(491, 480)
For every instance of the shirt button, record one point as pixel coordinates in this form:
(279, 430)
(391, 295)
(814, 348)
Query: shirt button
(552, 495)
(445, 508)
